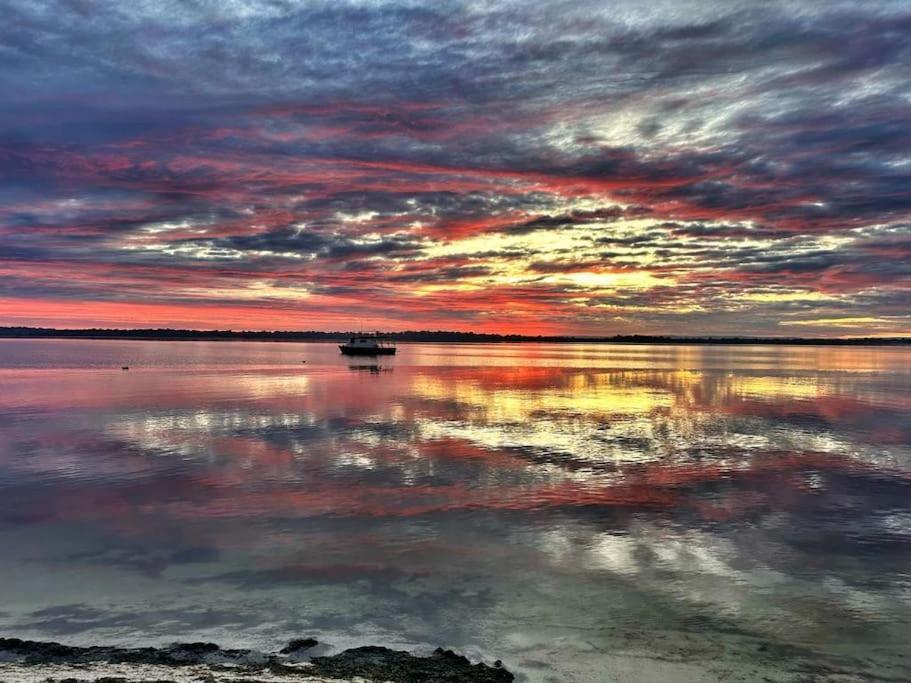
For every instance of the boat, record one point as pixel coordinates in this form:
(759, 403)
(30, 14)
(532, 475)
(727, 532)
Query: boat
(367, 345)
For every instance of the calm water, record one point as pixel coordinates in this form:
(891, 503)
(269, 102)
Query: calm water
(581, 512)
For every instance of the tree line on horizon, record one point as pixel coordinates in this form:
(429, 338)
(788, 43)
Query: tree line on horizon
(164, 333)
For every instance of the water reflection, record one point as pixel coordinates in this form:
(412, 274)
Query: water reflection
(373, 368)
(563, 508)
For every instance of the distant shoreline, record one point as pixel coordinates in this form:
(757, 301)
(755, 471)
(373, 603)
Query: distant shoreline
(164, 334)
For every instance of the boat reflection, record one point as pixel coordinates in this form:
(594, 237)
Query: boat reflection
(372, 368)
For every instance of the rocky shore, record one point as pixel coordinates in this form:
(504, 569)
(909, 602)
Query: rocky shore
(27, 661)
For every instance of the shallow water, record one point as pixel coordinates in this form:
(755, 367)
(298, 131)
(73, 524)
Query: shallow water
(572, 510)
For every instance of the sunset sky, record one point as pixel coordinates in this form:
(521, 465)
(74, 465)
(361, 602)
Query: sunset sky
(562, 167)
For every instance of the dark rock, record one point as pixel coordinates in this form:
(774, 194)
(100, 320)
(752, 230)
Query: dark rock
(178, 654)
(299, 644)
(451, 656)
(25, 650)
(381, 663)
(198, 648)
(372, 663)
(191, 650)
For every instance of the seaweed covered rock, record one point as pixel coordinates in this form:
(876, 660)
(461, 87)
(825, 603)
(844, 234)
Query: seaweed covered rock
(371, 663)
(178, 654)
(298, 644)
(383, 664)
(17, 650)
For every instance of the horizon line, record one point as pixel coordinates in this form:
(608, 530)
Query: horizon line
(425, 335)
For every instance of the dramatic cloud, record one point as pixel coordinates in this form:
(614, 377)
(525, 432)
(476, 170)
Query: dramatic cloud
(579, 167)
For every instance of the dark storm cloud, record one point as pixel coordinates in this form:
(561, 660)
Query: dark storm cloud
(302, 242)
(603, 215)
(447, 274)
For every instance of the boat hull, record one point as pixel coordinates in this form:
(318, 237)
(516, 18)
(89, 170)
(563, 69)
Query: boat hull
(362, 351)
